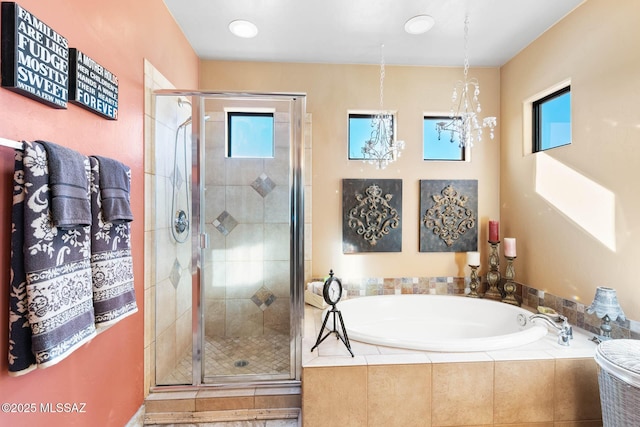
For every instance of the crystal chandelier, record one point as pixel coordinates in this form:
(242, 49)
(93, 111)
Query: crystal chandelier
(382, 148)
(466, 106)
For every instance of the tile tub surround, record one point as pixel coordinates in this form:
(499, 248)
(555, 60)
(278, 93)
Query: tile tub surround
(575, 312)
(541, 384)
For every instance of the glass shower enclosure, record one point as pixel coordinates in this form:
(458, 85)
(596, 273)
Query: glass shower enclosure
(229, 215)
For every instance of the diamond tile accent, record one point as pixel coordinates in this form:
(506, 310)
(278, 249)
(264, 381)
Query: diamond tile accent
(177, 179)
(176, 273)
(263, 298)
(225, 223)
(263, 185)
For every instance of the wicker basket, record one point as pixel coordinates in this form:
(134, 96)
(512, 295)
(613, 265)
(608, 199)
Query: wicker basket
(619, 381)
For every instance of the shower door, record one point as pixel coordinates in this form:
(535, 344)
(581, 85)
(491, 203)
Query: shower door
(250, 196)
(229, 261)
(252, 262)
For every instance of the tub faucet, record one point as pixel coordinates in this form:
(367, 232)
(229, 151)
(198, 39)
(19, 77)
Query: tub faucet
(565, 331)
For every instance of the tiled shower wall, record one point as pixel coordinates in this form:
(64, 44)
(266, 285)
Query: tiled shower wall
(247, 217)
(575, 312)
(167, 263)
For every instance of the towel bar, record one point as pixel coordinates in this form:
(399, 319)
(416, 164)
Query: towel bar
(11, 144)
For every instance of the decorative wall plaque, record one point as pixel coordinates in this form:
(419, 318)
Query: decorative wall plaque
(371, 215)
(35, 58)
(448, 215)
(92, 86)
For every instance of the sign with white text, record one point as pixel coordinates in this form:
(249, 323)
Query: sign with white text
(92, 86)
(35, 58)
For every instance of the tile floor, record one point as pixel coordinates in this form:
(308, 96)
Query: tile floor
(265, 354)
(259, 423)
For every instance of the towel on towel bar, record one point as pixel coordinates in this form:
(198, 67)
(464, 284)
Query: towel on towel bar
(111, 262)
(51, 306)
(114, 190)
(21, 358)
(69, 186)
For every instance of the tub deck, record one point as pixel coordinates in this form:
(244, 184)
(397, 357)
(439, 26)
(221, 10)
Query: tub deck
(333, 353)
(541, 382)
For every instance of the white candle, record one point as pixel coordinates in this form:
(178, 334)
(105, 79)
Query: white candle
(510, 247)
(473, 258)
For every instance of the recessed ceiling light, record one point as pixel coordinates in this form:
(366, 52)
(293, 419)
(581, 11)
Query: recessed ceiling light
(242, 28)
(419, 24)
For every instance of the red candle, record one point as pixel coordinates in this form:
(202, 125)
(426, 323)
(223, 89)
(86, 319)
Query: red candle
(494, 234)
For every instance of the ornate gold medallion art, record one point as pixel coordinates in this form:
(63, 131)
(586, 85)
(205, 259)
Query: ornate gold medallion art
(373, 217)
(449, 217)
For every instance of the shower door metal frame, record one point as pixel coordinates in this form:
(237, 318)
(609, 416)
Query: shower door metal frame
(199, 239)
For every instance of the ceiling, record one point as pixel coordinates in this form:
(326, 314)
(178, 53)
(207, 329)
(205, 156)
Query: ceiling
(352, 31)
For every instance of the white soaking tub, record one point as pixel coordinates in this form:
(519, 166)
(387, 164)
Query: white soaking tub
(437, 323)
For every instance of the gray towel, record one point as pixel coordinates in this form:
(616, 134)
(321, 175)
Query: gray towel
(51, 305)
(69, 185)
(114, 190)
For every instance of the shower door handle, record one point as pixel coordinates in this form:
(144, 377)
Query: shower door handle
(204, 240)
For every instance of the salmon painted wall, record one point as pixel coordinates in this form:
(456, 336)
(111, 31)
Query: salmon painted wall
(107, 373)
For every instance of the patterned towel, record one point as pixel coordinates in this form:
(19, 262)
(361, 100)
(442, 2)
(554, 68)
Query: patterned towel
(21, 359)
(111, 262)
(51, 307)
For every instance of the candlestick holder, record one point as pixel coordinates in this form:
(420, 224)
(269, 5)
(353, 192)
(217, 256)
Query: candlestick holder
(473, 285)
(510, 286)
(493, 275)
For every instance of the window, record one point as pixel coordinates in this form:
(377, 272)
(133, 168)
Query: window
(440, 147)
(360, 127)
(552, 120)
(249, 134)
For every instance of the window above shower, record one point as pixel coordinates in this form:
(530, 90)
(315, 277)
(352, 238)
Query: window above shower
(250, 133)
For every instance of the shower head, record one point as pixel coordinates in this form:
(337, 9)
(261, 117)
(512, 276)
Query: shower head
(183, 102)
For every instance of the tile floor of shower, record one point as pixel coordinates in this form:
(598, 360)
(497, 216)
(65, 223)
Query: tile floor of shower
(236, 356)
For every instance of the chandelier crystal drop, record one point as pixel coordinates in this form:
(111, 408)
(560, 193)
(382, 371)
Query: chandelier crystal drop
(465, 108)
(381, 148)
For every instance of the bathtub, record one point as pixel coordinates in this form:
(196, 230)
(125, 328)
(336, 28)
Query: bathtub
(437, 323)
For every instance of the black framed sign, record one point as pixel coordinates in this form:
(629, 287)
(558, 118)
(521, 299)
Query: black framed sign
(35, 58)
(92, 86)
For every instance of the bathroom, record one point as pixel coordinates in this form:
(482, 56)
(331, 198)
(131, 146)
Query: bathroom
(556, 254)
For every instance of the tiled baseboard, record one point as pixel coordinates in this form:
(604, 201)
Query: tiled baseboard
(210, 404)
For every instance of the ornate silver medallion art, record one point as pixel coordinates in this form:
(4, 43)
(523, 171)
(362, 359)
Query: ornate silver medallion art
(371, 215)
(449, 215)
